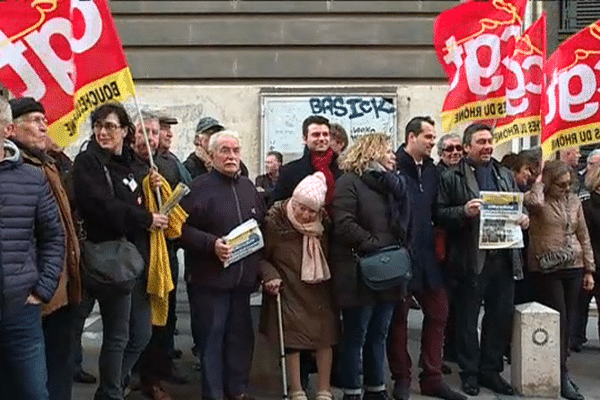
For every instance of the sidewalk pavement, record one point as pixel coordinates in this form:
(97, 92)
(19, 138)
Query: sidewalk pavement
(584, 366)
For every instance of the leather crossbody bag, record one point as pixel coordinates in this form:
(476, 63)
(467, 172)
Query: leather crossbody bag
(113, 265)
(385, 268)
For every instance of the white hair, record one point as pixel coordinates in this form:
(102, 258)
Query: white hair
(5, 111)
(146, 116)
(594, 153)
(213, 141)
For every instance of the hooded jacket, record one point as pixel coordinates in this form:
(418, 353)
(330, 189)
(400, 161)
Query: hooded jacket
(32, 240)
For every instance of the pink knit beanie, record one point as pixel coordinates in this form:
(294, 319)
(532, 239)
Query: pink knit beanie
(311, 191)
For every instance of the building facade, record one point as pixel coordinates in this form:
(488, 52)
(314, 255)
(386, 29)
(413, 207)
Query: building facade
(229, 58)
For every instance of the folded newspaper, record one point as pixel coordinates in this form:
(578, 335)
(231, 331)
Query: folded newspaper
(245, 240)
(181, 190)
(499, 227)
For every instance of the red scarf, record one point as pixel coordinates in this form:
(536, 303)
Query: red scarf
(321, 162)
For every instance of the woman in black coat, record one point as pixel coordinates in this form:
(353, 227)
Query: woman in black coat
(112, 210)
(370, 211)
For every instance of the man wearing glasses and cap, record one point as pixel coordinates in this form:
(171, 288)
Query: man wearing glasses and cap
(198, 162)
(29, 135)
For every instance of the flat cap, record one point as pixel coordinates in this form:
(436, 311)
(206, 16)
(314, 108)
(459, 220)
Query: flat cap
(163, 119)
(207, 123)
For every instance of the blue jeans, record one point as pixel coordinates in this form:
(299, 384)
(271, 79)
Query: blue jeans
(23, 373)
(364, 333)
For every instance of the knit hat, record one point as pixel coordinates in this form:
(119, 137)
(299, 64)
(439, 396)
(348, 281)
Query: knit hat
(25, 105)
(311, 191)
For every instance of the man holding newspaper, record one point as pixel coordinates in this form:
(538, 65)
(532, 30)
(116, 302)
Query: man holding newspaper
(219, 202)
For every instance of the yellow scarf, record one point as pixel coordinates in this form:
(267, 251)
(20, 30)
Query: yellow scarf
(160, 282)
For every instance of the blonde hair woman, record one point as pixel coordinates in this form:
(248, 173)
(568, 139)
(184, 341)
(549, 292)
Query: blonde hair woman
(370, 211)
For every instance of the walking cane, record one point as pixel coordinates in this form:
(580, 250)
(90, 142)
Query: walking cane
(281, 347)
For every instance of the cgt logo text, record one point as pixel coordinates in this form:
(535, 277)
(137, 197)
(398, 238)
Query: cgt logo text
(13, 54)
(570, 94)
(485, 76)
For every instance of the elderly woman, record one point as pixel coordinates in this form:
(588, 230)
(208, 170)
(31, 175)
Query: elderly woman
(296, 248)
(109, 202)
(560, 256)
(370, 211)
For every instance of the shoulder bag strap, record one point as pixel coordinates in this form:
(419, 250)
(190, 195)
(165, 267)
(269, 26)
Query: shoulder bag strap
(109, 179)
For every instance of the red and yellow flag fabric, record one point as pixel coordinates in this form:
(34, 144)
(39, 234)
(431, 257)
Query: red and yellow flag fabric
(524, 81)
(474, 42)
(571, 100)
(67, 55)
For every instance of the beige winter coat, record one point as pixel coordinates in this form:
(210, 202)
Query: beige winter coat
(551, 228)
(310, 320)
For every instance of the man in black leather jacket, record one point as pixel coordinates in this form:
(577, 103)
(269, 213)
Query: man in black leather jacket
(486, 275)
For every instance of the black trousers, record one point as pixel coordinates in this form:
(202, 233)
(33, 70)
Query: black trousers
(495, 287)
(560, 290)
(59, 336)
(578, 332)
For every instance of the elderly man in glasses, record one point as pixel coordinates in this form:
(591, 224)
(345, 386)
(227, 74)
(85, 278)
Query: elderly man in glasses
(29, 135)
(450, 150)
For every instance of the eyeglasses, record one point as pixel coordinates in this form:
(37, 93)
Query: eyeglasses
(450, 149)
(37, 120)
(108, 126)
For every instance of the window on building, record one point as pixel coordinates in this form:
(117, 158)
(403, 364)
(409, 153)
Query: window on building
(577, 14)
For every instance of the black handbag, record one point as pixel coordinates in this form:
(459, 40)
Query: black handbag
(113, 265)
(385, 268)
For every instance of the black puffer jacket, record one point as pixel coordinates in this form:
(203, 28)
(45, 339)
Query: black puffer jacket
(107, 216)
(360, 223)
(458, 185)
(32, 241)
(216, 204)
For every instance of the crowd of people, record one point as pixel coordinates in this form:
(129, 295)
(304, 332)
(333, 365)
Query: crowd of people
(320, 215)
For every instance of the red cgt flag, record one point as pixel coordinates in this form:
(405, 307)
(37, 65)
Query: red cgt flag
(473, 41)
(524, 85)
(571, 100)
(67, 55)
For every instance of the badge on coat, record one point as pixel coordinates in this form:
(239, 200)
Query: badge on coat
(131, 183)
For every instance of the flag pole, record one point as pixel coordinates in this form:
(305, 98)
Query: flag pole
(150, 157)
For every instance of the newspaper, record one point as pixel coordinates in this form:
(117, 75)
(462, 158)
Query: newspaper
(181, 190)
(498, 227)
(245, 239)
